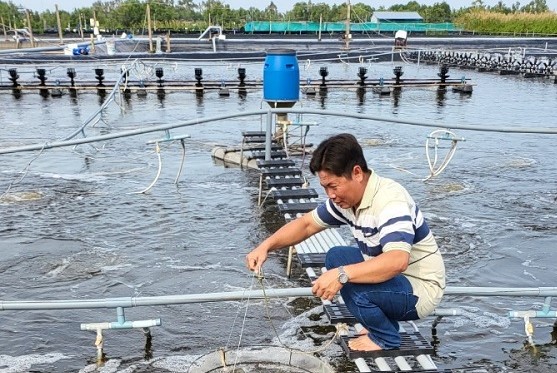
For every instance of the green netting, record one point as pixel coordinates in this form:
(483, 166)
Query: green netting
(313, 27)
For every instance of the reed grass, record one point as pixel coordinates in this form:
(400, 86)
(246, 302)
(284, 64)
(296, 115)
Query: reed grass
(485, 22)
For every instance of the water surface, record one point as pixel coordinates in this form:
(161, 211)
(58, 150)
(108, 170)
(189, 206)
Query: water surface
(73, 226)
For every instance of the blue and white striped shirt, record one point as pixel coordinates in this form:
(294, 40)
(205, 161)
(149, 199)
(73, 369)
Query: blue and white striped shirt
(387, 215)
(389, 219)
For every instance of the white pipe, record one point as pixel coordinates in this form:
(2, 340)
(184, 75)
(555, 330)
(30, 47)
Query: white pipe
(155, 300)
(470, 127)
(382, 364)
(362, 365)
(500, 291)
(402, 363)
(240, 295)
(426, 362)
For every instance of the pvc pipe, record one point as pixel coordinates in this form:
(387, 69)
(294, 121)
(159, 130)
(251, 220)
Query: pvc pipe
(446, 312)
(268, 136)
(121, 325)
(362, 365)
(382, 364)
(402, 363)
(240, 295)
(500, 291)
(538, 314)
(426, 362)
(155, 300)
(472, 127)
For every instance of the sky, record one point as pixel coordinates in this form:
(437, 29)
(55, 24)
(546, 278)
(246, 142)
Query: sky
(283, 5)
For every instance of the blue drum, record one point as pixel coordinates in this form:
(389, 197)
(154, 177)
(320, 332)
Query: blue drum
(281, 78)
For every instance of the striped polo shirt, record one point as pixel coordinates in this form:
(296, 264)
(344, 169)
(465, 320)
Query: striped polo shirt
(389, 219)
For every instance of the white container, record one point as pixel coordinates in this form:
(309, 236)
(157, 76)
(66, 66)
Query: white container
(110, 47)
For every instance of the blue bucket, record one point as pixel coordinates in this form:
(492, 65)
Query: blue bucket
(281, 77)
(80, 51)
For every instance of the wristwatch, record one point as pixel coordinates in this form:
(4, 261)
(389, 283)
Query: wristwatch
(342, 276)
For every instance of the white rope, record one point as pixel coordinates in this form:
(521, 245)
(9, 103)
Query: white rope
(242, 328)
(435, 170)
(23, 172)
(158, 151)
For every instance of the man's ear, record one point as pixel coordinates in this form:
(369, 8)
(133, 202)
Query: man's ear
(357, 173)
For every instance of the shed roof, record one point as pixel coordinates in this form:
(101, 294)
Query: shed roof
(397, 15)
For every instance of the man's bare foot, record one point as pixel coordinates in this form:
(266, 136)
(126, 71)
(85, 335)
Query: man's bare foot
(363, 343)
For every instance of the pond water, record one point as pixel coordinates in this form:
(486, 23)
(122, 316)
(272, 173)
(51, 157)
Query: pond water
(74, 227)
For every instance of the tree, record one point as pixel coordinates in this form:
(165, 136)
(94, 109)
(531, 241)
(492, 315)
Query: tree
(299, 12)
(500, 7)
(361, 12)
(478, 4)
(535, 6)
(439, 12)
(271, 11)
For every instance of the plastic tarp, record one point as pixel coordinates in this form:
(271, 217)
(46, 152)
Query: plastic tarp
(338, 27)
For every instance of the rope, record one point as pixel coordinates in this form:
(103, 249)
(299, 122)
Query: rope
(158, 151)
(241, 330)
(448, 135)
(24, 172)
(340, 327)
(181, 162)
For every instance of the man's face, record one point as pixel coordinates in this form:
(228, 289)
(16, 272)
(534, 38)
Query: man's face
(343, 191)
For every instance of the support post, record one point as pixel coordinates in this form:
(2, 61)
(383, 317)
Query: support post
(347, 27)
(30, 28)
(4, 27)
(268, 136)
(320, 25)
(149, 28)
(81, 26)
(59, 23)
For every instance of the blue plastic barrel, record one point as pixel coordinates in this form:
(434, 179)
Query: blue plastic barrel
(281, 77)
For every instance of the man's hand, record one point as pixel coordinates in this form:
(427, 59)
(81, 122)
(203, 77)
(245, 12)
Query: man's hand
(327, 285)
(256, 258)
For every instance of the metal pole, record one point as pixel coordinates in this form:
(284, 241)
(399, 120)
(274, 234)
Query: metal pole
(268, 136)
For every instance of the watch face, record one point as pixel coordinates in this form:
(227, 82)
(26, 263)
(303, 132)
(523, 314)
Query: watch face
(343, 278)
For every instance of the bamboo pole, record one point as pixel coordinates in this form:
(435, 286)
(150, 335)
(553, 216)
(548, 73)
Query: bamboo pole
(60, 33)
(95, 25)
(320, 25)
(4, 27)
(149, 28)
(347, 27)
(30, 28)
(81, 27)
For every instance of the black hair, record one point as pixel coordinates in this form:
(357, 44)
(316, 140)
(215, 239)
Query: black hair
(338, 155)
